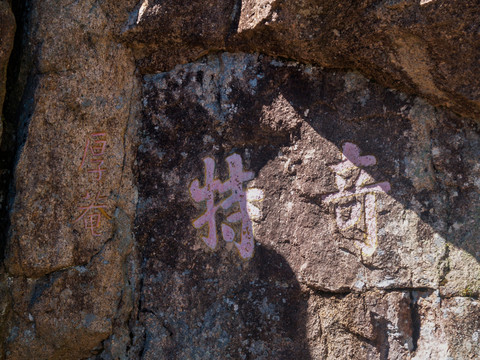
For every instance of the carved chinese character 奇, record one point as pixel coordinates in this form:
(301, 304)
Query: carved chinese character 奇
(356, 202)
(238, 196)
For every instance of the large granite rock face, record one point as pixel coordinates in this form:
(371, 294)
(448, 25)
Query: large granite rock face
(182, 191)
(352, 186)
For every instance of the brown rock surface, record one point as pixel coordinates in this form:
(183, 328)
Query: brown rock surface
(429, 48)
(183, 191)
(289, 123)
(70, 245)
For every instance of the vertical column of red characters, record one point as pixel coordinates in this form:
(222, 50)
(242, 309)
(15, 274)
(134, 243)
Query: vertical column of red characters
(94, 208)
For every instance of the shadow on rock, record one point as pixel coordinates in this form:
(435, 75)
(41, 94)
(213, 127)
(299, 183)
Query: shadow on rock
(236, 310)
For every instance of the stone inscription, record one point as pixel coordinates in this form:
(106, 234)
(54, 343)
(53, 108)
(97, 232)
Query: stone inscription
(239, 203)
(93, 160)
(355, 200)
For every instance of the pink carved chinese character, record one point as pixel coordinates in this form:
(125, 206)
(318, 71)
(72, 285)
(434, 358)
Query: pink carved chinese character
(95, 147)
(98, 170)
(92, 213)
(92, 223)
(361, 194)
(238, 196)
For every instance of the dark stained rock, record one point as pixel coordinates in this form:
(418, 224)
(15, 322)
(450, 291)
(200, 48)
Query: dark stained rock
(7, 33)
(390, 230)
(255, 310)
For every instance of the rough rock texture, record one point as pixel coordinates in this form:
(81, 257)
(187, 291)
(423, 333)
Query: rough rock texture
(70, 246)
(183, 191)
(289, 123)
(422, 47)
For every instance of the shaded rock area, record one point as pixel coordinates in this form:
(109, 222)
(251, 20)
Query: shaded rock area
(289, 123)
(7, 33)
(256, 179)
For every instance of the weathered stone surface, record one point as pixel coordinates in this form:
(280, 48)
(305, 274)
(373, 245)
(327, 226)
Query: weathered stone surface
(49, 201)
(164, 34)
(255, 310)
(70, 256)
(68, 314)
(373, 325)
(423, 47)
(289, 123)
(284, 210)
(456, 336)
(398, 43)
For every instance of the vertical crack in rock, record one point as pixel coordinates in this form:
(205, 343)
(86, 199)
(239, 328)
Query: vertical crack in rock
(416, 319)
(15, 81)
(444, 265)
(12, 80)
(235, 17)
